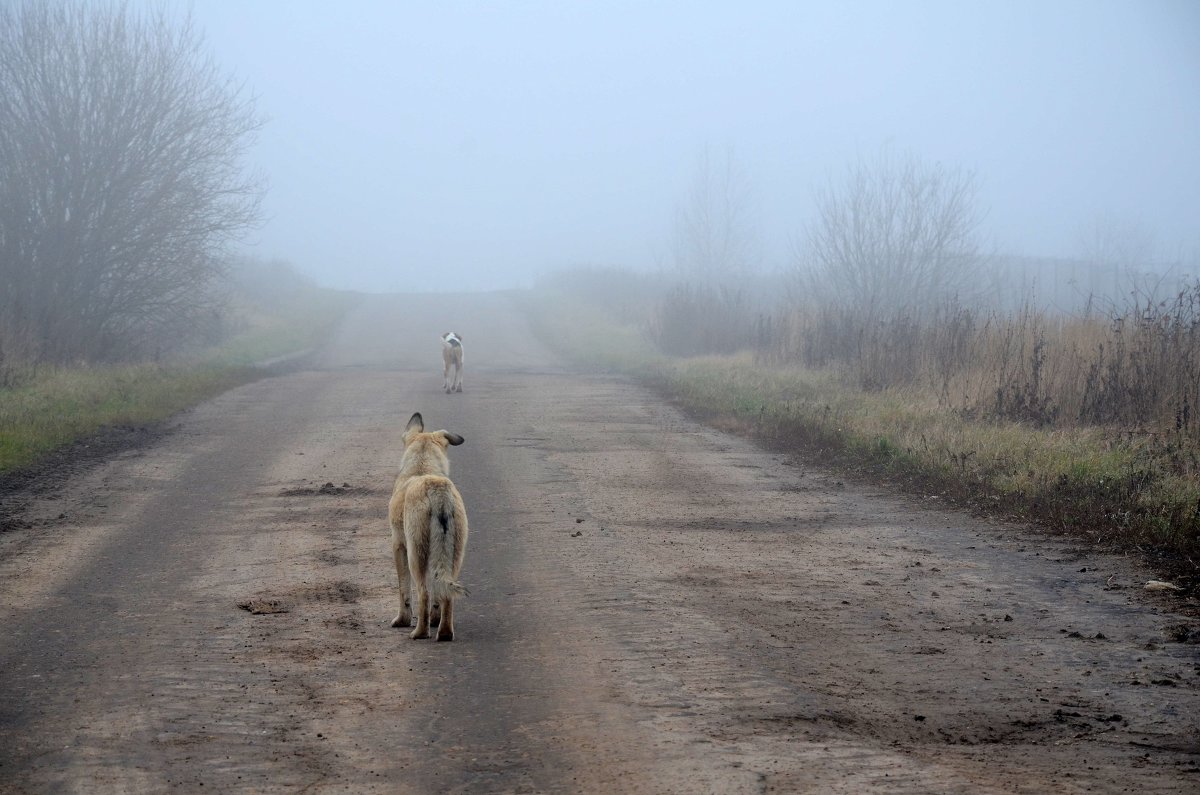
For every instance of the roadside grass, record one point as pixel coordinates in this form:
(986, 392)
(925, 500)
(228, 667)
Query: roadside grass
(60, 406)
(46, 408)
(299, 326)
(1116, 489)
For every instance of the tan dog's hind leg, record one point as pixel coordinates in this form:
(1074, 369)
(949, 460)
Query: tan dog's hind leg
(416, 540)
(404, 617)
(446, 627)
(421, 593)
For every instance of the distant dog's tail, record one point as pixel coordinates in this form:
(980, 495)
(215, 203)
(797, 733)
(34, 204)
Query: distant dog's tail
(445, 541)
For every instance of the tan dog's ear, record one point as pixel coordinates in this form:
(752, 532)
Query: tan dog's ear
(452, 438)
(415, 425)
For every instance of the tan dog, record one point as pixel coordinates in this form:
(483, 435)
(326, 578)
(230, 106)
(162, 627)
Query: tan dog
(429, 530)
(452, 355)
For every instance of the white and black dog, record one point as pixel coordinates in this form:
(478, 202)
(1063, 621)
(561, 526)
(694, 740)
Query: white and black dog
(452, 354)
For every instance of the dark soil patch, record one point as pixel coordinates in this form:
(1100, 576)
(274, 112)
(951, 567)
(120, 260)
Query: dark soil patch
(47, 476)
(336, 591)
(324, 490)
(261, 607)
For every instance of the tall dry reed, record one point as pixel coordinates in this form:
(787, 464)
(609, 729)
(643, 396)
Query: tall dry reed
(1136, 368)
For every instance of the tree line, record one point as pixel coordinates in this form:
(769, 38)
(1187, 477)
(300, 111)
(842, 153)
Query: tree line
(120, 181)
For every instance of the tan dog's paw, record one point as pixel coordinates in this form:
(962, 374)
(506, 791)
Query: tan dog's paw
(402, 620)
(419, 633)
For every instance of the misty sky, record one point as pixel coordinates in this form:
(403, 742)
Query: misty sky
(442, 145)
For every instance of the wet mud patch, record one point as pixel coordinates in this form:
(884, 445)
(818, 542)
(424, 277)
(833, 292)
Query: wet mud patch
(336, 591)
(1183, 633)
(928, 650)
(327, 489)
(330, 557)
(333, 592)
(259, 606)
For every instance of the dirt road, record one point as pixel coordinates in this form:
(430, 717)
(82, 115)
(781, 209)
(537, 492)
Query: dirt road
(655, 607)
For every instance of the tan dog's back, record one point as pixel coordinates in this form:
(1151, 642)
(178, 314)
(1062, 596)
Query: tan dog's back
(429, 529)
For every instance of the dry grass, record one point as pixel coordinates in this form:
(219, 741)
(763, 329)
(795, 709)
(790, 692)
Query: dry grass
(43, 408)
(1120, 490)
(1082, 425)
(1136, 370)
(58, 406)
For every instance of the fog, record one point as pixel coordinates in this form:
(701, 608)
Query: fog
(426, 146)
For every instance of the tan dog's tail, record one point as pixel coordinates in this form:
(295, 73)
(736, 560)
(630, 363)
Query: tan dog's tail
(443, 546)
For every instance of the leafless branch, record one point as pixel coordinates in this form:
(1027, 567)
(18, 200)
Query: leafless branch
(120, 177)
(898, 235)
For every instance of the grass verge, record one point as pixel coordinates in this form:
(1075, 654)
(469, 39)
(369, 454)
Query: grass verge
(1113, 489)
(53, 407)
(57, 407)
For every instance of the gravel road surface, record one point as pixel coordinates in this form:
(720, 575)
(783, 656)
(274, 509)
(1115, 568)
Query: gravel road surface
(656, 606)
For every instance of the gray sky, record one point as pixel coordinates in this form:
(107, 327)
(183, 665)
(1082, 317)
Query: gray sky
(424, 145)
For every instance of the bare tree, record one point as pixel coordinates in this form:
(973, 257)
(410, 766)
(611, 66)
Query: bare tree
(120, 177)
(715, 241)
(1119, 261)
(899, 235)
(715, 251)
